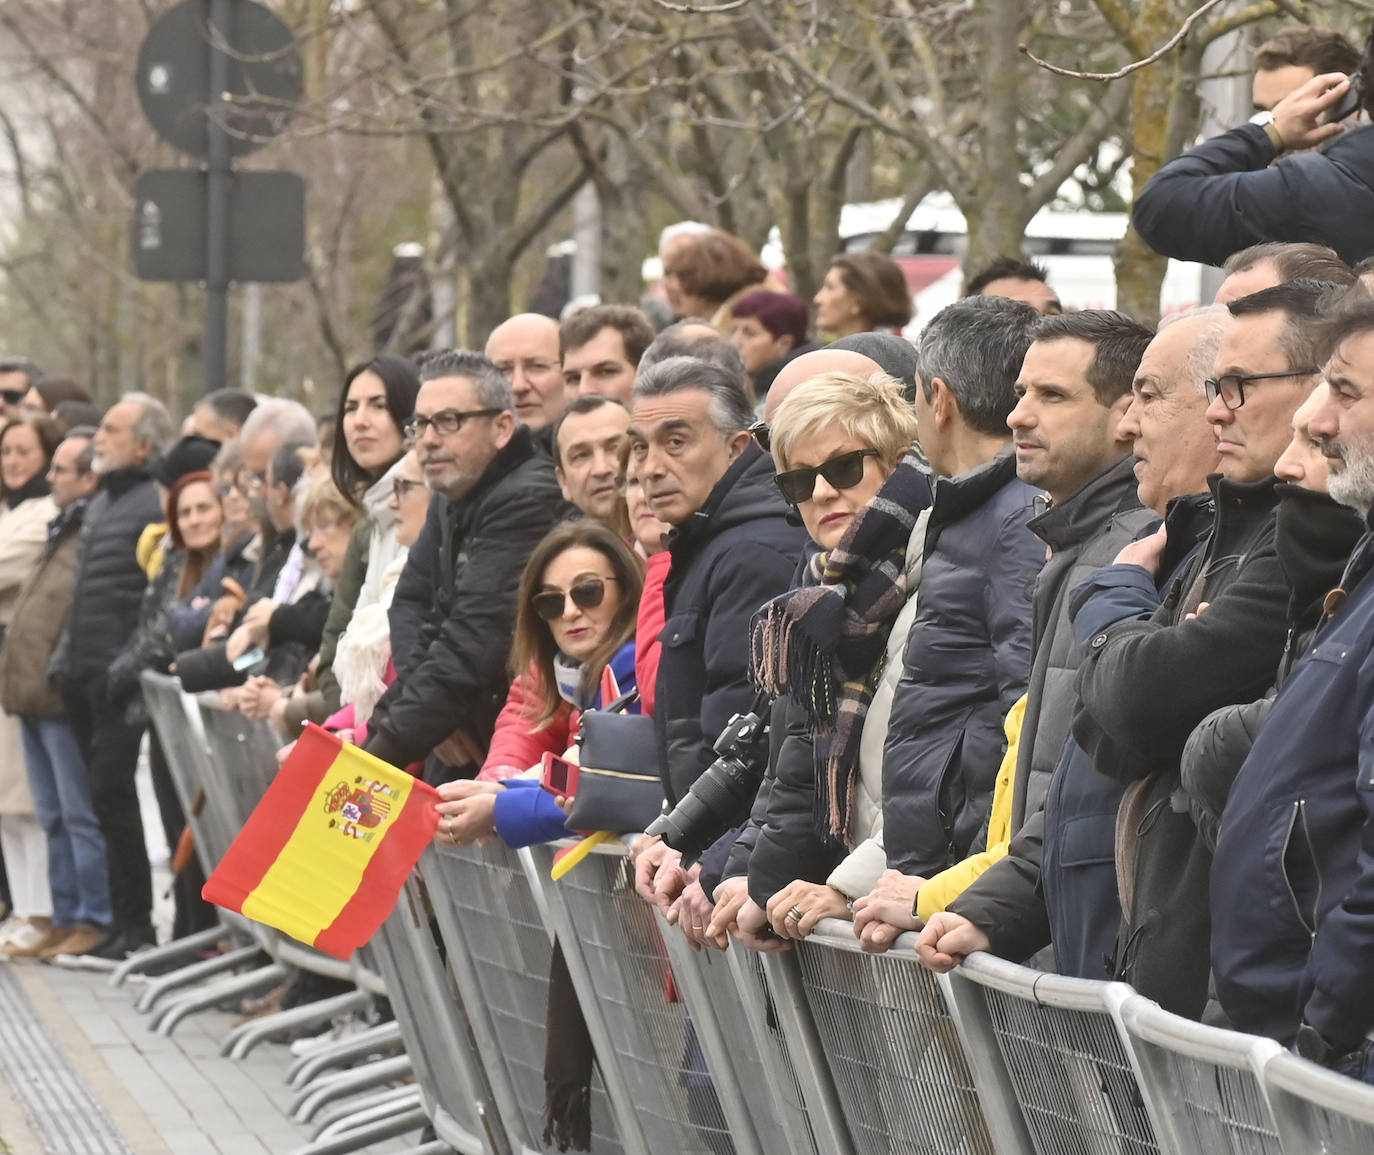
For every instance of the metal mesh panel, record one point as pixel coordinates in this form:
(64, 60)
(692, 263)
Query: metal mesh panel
(184, 746)
(1222, 1110)
(669, 1087)
(1318, 1110)
(894, 1052)
(487, 909)
(244, 757)
(1074, 1082)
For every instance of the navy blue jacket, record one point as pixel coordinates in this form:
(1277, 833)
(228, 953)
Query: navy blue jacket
(967, 661)
(735, 553)
(1293, 880)
(1227, 194)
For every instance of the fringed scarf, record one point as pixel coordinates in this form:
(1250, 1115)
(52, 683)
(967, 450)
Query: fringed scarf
(823, 644)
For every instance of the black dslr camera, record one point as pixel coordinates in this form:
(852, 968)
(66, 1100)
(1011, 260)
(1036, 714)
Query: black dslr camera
(722, 795)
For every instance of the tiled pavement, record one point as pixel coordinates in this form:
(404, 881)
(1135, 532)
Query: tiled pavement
(164, 1096)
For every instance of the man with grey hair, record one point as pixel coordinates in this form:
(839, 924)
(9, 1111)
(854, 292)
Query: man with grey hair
(272, 423)
(733, 549)
(453, 614)
(700, 340)
(104, 612)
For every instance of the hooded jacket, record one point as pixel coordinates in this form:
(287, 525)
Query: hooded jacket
(1293, 883)
(738, 551)
(1144, 683)
(967, 661)
(1228, 194)
(475, 549)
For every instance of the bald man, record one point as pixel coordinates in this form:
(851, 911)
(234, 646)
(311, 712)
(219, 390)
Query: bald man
(810, 365)
(525, 349)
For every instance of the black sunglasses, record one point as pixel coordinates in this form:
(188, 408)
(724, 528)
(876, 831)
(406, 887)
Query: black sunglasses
(587, 595)
(762, 435)
(12, 396)
(842, 472)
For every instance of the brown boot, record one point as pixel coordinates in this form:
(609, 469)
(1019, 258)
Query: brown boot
(75, 940)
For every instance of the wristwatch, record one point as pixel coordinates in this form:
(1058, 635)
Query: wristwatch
(1265, 120)
(1312, 1045)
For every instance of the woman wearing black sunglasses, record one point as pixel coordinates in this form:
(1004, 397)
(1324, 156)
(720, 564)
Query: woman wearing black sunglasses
(846, 462)
(573, 651)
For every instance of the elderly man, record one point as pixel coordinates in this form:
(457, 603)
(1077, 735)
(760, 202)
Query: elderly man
(495, 497)
(1291, 941)
(105, 599)
(525, 350)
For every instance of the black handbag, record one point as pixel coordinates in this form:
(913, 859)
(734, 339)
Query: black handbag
(618, 784)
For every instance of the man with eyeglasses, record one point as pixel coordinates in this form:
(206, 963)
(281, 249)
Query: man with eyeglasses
(453, 613)
(525, 350)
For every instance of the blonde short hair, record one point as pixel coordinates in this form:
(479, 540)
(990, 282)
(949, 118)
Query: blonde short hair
(872, 411)
(324, 499)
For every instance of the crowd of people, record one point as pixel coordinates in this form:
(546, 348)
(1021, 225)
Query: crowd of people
(1061, 625)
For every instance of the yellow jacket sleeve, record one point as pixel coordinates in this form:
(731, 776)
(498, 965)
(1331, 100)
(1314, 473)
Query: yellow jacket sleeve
(938, 892)
(149, 550)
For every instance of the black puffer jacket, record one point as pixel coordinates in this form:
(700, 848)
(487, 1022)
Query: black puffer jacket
(734, 554)
(109, 581)
(966, 663)
(477, 549)
(1143, 686)
(150, 647)
(1314, 537)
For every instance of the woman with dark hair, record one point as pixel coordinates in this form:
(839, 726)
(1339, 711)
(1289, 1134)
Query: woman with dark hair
(862, 291)
(709, 272)
(26, 448)
(377, 399)
(574, 650)
(45, 396)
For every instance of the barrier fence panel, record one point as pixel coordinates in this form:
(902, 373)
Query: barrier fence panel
(1074, 1076)
(1205, 1082)
(179, 729)
(648, 1045)
(499, 952)
(893, 1049)
(438, 1040)
(1318, 1111)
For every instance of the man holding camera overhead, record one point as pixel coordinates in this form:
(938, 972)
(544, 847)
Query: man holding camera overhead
(1261, 181)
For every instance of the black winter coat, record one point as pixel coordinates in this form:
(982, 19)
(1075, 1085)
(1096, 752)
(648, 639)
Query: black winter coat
(734, 554)
(150, 647)
(109, 581)
(966, 663)
(1227, 194)
(1143, 686)
(476, 550)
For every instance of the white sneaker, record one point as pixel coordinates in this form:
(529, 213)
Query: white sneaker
(8, 927)
(29, 934)
(341, 1029)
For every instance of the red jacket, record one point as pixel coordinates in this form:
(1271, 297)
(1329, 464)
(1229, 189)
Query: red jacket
(652, 617)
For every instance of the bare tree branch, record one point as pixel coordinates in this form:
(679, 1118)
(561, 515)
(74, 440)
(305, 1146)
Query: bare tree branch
(1136, 65)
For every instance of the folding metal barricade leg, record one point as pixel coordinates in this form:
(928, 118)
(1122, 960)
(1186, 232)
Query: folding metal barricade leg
(1318, 1111)
(1205, 1081)
(620, 968)
(438, 1038)
(1075, 1076)
(895, 1052)
(499, 953)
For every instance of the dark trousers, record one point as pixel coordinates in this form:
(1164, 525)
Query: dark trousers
(193, 913)
(110, 747)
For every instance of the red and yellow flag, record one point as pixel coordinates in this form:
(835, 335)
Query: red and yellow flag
(325, 854)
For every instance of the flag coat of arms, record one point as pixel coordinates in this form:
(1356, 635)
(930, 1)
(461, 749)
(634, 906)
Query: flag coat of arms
(325, 854)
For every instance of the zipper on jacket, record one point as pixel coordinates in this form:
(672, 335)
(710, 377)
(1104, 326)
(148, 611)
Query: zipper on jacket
(1297, 823)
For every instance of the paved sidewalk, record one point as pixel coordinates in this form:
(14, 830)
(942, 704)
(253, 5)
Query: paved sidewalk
(162, 1096)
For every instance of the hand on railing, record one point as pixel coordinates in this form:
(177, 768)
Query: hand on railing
(691, 911)
(730, 896)
(752, 929)
(947, 940)
(887, 911)
(794, 911)
(467, 811)
(659, 877)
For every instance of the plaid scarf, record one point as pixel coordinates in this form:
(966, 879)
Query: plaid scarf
(823, 644)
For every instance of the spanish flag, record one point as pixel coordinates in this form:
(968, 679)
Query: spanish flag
(325, 854)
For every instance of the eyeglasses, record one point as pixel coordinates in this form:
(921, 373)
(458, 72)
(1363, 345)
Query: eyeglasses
(446, 422)
(842, 472)
(762, 436)
(12, 396)
(401, 486)
(252, 482)
(551, 604)
(1231, 387)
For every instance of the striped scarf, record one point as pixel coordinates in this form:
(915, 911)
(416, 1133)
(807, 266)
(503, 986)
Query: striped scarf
(823, 643)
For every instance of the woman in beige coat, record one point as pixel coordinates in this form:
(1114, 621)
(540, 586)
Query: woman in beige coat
(26, 448)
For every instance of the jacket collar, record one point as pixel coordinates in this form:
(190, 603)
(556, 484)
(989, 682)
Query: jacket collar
(1089, 510)
(119, 481)
(956, 497)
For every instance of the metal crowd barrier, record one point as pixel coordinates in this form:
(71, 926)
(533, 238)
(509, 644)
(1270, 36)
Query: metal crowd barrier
(819, 1049)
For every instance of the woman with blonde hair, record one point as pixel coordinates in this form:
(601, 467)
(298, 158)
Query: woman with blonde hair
(830, 650)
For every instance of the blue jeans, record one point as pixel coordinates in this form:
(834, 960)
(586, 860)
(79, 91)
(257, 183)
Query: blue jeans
(78, 868)
(1359, 1064)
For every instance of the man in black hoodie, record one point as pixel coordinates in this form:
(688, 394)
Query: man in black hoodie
(104, 612)
(495, 496)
